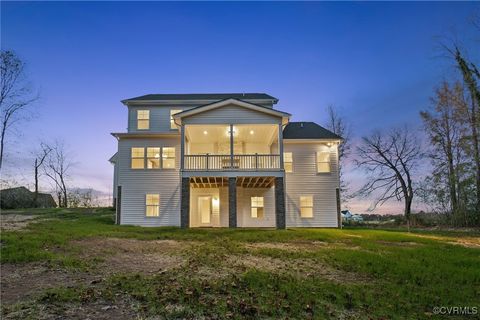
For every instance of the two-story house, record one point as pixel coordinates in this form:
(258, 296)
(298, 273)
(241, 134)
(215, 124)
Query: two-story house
(223, 160)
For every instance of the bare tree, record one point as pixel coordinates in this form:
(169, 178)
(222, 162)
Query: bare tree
(470, 76)
(390, 160)
(15, 95)
(338, 125)
(57, 168)
(40, 157)
(445, 133)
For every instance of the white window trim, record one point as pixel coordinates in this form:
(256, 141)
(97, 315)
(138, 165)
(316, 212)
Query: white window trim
(152, 205)
(300, 205)
(287, 162)
(329, 162)
(263, 207)
(174, 158)
(131, 158)
(147, 157)
(143, 119)
(172, 121)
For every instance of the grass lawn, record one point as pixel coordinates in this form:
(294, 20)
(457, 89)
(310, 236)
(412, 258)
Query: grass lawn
(66, 263)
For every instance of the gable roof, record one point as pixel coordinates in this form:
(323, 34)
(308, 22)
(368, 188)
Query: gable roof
(202, 96)
(307, 130)
(238, 102)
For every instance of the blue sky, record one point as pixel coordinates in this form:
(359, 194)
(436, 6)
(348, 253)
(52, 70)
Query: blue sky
(378, 62)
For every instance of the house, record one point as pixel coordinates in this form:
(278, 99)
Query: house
(21, 197)
(223, 160)
(348, 216)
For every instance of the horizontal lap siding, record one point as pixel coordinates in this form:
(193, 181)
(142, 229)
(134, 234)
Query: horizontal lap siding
(136, 183)
(306, 181)
(231, 114)
(159, 118)
(244, 218)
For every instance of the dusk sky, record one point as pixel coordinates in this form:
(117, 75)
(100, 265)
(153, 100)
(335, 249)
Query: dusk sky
(378, 62)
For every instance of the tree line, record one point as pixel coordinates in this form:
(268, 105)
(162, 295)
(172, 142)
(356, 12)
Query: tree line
(51, 159)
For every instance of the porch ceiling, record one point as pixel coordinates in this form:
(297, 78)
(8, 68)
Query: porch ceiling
(245, 182)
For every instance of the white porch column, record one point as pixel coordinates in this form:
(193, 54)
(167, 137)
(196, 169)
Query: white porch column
(280, 144)
(182, 147)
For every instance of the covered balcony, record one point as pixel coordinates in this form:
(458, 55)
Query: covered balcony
(228, 147)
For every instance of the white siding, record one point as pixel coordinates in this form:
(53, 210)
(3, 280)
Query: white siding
(306, 181)
(244, 218)
(136, 183)
(231, 114)
(159, 118)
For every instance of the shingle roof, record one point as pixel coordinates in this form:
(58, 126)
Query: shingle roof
(307, 130)
(204, 96)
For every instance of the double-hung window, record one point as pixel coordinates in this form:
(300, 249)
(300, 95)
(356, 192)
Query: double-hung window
(323, 161)
(172, 122)
(138, 158)
(306, 206)
(143, 119)
(153, 158)
(152, 205)
(288, 161)
(257, 207)
(168, 157)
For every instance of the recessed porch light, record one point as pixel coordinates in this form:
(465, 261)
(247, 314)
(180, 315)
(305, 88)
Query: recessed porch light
(252, 132)
(205, 132)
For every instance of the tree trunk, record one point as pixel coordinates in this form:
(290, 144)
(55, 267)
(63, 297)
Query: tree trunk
(35, 195)
(2, 140)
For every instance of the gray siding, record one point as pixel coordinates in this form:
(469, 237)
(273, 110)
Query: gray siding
(159, 118)
(136, 183)
(304, 181)
(231, 114)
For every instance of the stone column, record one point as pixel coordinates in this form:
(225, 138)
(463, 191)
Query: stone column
(279, 203)
(232, 202)
(185, 203)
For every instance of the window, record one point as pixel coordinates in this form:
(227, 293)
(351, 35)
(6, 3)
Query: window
(153, 158)
(323, 161)
(257, 207)
(138, 155)
(172, 123)
(288, 161)
(152, 205)
(306, 206)
(168, 157)
(143, 119)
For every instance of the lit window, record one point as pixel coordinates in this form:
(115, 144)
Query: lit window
(288, 161)
(172, 123)
(323, 161)
(306, 207)
(143, 119)
(138, 155)
(153, 158)
(152, 205)
(257, 207)
(168, 157)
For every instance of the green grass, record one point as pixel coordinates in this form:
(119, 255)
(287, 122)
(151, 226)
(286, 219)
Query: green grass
(402, 275)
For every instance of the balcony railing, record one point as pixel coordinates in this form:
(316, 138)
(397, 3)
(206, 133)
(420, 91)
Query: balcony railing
(237, 162)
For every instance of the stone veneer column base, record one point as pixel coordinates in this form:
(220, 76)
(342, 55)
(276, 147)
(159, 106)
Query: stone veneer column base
(232, 202)
(185, 203)
(279, 203)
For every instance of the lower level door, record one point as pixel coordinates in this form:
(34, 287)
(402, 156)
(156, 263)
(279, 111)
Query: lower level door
(205, 209)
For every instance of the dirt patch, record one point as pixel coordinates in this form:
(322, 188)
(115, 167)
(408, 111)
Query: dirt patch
(21, 281)
(131, 255)
(468, 243)
(121, 308)
(12, 222)
(303, 246)
(400, 243)
(303, 268)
